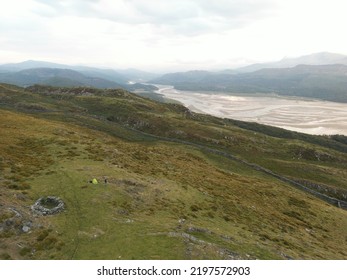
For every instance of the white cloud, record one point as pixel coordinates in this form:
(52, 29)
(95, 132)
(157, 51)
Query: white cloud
(169, 34)
(198, 14)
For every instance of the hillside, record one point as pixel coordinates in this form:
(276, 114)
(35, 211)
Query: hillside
(55, 77)
(327, 82)
(179, 185)
(71, 78)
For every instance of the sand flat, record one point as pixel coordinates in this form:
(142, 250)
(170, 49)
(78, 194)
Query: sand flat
(303, 115)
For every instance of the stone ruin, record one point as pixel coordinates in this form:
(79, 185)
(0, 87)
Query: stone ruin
(49, 205)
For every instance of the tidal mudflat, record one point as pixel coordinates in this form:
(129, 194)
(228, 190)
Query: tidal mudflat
(303, 115)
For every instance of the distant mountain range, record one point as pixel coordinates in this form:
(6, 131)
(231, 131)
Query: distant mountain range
(15, 67)
(40, 72)
(320, 75)
(322, 58)
(328, 82)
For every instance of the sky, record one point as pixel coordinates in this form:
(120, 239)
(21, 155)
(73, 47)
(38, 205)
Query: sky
(169, 35)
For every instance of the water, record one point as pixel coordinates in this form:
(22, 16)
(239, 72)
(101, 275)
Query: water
(303, 115)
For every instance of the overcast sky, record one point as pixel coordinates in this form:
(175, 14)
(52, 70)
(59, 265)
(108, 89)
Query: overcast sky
(162, 35)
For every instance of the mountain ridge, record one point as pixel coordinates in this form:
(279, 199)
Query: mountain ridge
(321, 58)
(327, 82)
(121, 76)
(32, 76)
(69, 78)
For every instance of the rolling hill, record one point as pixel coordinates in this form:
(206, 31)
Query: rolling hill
(69, 78)
(327, 82)
(179, 185)
(120, 76)
(55, 77)
(29, 64)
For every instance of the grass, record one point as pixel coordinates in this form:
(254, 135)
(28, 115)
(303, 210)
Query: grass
(153, 185)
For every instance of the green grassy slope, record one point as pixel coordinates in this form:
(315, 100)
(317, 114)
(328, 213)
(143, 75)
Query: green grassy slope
(166, 197)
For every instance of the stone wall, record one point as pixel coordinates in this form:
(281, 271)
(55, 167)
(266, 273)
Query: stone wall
(40, 208)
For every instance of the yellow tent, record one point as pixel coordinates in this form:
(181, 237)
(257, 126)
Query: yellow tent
(94, 181)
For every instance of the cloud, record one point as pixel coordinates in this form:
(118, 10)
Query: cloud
(183, 17)
(145, 33)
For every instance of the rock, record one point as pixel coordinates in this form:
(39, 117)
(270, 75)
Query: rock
(9, 222)
(194, 229)
(14, 210)
(25, 229)
(123, 212)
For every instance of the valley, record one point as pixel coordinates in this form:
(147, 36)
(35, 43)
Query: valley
(176, 139)
(295, 113)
